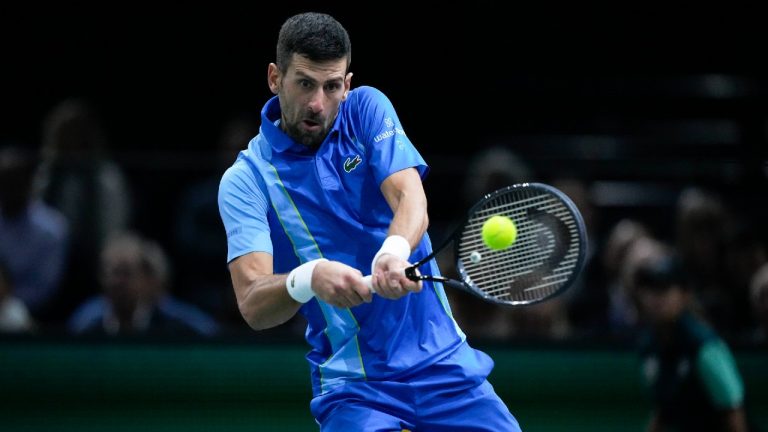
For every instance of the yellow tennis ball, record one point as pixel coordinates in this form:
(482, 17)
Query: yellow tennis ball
(499, 232)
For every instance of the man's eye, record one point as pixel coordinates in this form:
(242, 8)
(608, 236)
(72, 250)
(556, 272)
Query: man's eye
(305, 83)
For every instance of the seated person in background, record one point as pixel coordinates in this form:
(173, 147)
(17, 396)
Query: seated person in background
(702, 221)
(80, 178)
(199, 237)
(626, 242)
(693, 378)
(14, 316)
(33, 236)
(134, 276)
(759, 302)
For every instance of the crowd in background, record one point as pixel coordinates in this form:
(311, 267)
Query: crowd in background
(724, 259)
(73, 261)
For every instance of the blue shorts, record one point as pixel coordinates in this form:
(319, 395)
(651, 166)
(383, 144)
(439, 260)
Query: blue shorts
(450, 395)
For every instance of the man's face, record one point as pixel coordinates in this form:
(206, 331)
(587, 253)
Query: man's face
(310, 94)
(125, 281)
(662, 306)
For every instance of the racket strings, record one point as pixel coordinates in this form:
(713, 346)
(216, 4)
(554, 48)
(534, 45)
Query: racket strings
(523, 272)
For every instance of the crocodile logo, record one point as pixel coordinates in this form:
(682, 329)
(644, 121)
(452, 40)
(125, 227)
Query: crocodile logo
(352, 163)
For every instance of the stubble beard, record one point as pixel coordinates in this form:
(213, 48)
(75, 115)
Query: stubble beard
(308, 139)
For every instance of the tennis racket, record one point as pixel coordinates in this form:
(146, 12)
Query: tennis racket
(544, 260)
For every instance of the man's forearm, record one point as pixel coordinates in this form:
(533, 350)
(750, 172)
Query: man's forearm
(410, 219)
(267, 303)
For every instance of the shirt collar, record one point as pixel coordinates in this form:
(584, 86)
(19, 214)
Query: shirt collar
(278, 139)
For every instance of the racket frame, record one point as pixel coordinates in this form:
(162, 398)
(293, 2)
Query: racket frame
(465, 283)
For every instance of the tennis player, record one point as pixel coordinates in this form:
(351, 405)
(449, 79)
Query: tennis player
(328, 190)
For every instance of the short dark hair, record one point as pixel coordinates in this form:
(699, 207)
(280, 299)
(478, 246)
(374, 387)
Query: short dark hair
(317, 36)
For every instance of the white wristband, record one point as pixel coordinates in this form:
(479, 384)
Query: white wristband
(395, 245)
(299, 282)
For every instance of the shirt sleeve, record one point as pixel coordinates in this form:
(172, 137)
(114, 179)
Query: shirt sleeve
(243, 207)
(717, 370)
(389, 149)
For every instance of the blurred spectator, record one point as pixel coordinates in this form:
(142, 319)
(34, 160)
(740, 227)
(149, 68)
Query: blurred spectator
(494, 168)
(744, 255)
(616, 257)
(702, 223)
(200, 240)
(642, 251)
(692, 376)
(33, 236)
(759, 303)
(14, 316)
(134, 276)
(586, 302)
(79, 178)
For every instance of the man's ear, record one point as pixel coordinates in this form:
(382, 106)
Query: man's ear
(347, 85)
(273, 78)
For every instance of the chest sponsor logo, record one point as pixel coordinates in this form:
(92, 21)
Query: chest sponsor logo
(352, 163)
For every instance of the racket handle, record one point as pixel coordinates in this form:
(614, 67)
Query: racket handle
(369, 282)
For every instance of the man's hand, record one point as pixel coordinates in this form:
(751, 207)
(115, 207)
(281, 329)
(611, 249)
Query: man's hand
(339, 284)
(389, 280)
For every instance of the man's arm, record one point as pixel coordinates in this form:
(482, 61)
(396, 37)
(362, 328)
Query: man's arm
(261, 296)
(654, 424)
(405, 195)
(736, 420)
(264, 301)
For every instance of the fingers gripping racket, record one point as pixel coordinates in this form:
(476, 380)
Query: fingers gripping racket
(544, 260)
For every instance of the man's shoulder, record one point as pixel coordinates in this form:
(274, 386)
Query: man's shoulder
(696, 330)
(188, 315)
(237, 170)
(236, 180)
(367, 94)
(88, 315)
(240, 170)
(367, 103)
(49, 220)
(241, 179)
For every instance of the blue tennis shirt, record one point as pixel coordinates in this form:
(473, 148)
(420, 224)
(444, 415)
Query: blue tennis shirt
(298, 204)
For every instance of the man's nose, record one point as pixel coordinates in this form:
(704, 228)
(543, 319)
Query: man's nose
(316, 101)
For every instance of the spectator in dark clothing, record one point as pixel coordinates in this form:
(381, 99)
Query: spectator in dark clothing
(79, 178)
(693, 378)
(199, 238)
(33, 236)
(759, 305)
(14, 316)
(134, 275)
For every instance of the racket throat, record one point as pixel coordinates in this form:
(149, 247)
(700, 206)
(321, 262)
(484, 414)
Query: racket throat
(411, 274)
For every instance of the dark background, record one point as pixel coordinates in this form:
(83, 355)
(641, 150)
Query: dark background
(644, 84)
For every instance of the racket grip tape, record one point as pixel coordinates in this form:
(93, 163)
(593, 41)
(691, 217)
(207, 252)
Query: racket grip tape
(368, 280)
